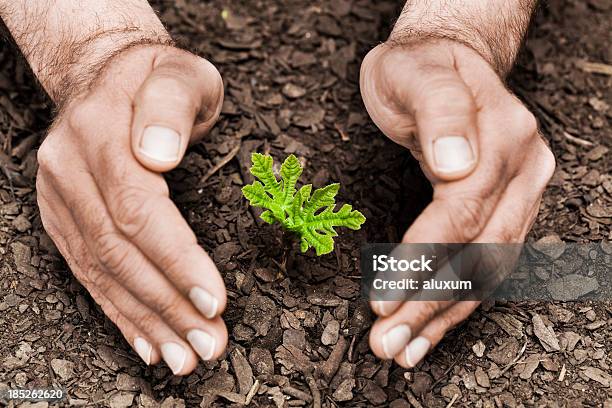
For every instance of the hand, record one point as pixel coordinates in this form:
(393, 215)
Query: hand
(106, 206)
(481, 150)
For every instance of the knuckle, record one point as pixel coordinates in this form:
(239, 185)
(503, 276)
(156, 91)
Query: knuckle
(548, 162)
(111, 251)
(79, 117)
(148, 323)
(169, 307)
(171, 260)
(466, 217)
(96, 278)
(429, 309)
(524, 121)
(211, 72)
(130, 210)
(47, 154)
(448, 321)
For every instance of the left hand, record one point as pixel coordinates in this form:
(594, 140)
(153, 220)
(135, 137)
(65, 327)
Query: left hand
(480, 148)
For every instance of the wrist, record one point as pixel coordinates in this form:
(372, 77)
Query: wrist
(494, 28)
(430, 52)
(89, 58)
(450, 41)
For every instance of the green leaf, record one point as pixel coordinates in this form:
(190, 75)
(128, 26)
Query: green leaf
(322, 197)
(262, 169)
(318, 230)
(290, 173)
(311, 217)
(267, 216)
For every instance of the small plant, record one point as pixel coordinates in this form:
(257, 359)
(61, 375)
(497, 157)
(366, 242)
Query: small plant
(311, 217)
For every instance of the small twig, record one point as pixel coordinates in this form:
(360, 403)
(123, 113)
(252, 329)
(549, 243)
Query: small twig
(577, 140)
(350, 351)
(251, 393)
(452, 401)
(595, 67)
(513, 362)
(314, 390)
(454, 363)
(221, 163)
(562, 374)
(412, 399)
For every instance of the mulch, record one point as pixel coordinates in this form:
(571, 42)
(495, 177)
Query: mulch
(298, 324)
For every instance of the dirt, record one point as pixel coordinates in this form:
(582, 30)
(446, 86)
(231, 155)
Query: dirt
(300, 338)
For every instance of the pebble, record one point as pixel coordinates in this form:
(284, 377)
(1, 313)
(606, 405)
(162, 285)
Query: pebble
(551, 245)
(63, 368)
(126, 382)
(374, 393)
(21, 223)
(344, 392)
(261, 361)
(597, 153)
(330, 333)
(22, 254)
(121, 400)
(449, 391)
(469, 380)
(571, 287)
(479, 348)
(591, 315)
(295, 337)
(12, 300)
(481, 377)
(293, 91)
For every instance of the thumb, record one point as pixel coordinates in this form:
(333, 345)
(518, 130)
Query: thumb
(446, 118)
(178, 102)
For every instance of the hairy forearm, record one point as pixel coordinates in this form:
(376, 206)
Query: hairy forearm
(66, 42)
(494, 28)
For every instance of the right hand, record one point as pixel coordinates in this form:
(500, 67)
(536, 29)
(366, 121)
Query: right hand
(480, 148)
(106, 206)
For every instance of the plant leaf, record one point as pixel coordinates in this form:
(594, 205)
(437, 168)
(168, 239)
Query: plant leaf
(290, 173)
(318, 230)
(311, 217)
(262, 169)
(322, 197)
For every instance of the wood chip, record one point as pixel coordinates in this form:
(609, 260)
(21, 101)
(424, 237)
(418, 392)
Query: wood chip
(508, 323)
(594, 67)
(243, 371)
(479, 348)
(530, 365)
(598, 375)
(546, 335)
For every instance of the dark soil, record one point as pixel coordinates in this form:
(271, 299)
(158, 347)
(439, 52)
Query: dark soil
(300, 339)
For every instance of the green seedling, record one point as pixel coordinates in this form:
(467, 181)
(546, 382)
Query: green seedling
(311, 217)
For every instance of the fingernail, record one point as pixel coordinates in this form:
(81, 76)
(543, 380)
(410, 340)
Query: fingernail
(143, 348)
(452, 154)
(416, 350)
(202, 342)
(160, 143)
(395, 339)
(379, 306)
(204, 302)
(174, 355)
